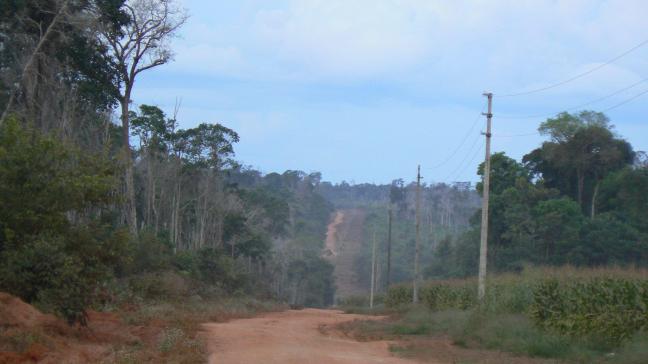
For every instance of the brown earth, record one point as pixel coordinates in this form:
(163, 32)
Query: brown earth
(44, 338)
(291, 337)
(343, 245)
(316, 336)
(29, 336)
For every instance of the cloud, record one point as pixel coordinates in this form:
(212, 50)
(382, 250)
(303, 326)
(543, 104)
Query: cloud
(207, 59)
(505, 44)
(342, 37)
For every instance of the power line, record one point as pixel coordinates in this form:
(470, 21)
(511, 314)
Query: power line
(554, 85)
(515, 135)
(604, 110)
(626, 101)
(463, 141)
(574, 107)
(461, 166)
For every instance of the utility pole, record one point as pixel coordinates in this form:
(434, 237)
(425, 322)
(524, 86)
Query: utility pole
(389, 240)
(483, 246)
(373, 270)
(418, 235)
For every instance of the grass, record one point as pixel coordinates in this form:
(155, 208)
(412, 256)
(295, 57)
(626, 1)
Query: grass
(174, 326)
(21, 339)
(513, 333)
(504, 323)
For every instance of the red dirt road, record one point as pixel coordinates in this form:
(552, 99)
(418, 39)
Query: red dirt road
(292, 337)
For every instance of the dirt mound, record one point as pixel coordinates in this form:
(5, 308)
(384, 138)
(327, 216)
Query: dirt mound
(14, 312)
(30, 336)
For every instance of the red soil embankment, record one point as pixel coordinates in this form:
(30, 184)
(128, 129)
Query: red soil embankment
(30, 336)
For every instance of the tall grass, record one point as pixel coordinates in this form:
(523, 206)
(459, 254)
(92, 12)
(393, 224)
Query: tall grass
(582, 315)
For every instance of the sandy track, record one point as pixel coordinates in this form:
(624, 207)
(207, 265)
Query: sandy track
(292, 337)
(343, 246)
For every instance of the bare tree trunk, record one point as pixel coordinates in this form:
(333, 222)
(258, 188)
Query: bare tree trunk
(131, 209)
(594, 195)
(203, 201)
(150, 189)
(175, 223)
(581, 184)
(32, 58)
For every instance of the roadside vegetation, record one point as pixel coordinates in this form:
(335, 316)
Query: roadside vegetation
(110, 207)
(566, 314)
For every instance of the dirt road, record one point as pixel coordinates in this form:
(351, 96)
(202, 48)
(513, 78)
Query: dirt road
(343, 246)
(289, 337)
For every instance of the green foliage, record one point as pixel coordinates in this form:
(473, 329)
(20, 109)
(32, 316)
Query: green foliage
(558, 224)
(49, 253)
(150, 254)
(602, 305)
(580, 315)
(505, 172)
(398, 296)
(611, 308)
(625, 194)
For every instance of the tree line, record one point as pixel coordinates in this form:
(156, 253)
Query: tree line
(94, 204)
(579, 199)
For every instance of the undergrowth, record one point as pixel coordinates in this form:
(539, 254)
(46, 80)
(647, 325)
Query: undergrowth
(567, 314)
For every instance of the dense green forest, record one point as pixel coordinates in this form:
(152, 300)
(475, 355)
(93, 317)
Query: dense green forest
(92, 207)
(579, 199)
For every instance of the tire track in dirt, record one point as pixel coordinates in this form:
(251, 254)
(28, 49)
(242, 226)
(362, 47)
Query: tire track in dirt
(293, 337)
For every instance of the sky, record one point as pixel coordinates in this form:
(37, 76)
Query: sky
(365, 90)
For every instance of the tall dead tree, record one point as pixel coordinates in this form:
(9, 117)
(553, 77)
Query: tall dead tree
(139, 45)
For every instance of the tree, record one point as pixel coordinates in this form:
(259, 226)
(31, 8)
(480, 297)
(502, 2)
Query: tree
(582, 152)
(138, 45)
(608, 240)
(505, 172)
(154, 131)
(558, 222)
(564, 126)
(56, 74)
(625, 194)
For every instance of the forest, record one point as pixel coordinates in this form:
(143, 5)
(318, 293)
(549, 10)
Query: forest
(94, 203)
(579, 199)
(106, 202)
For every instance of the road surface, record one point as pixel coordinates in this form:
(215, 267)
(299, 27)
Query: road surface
(343, 246)
(292, 337)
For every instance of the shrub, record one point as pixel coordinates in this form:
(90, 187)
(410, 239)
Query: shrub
(55, 246)
(398, 296)
(612, 308)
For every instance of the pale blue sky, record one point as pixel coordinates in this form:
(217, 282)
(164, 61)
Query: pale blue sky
(364, 90)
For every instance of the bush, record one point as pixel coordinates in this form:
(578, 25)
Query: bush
(444, 296)
(160, 285)
(55, 246)
(612, 308)
(609, 305)
(398, 296)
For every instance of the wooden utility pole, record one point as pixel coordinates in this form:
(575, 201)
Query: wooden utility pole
(373, 270)
(483, 246)
(418, 236)
(389, 240)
